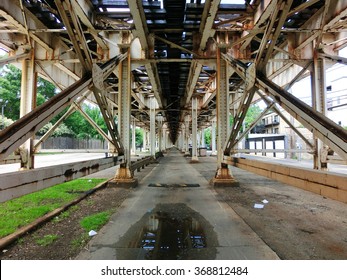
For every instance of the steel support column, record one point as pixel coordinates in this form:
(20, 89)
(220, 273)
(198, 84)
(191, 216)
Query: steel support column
(152, 127)
(124, 176)
(318, 84)
(164, 140)
(194, 129)
(133, 138)
(203, 142)
(27, 103)
(160, 133)
(183, 138)
(186, 124)
(144, 139)
(223, 175)
(213, 138)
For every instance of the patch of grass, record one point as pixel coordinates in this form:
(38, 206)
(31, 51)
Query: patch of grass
(95, 221)
(61, 217)
(79, 242)
(21, 211)
(46, 240)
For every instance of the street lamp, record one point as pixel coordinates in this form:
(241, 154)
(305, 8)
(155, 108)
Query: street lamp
(3, 104)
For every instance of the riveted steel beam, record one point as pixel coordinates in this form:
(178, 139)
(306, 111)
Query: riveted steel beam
(141, 31)
(78, 39)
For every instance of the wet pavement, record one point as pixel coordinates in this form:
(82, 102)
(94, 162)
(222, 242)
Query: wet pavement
(175, 214)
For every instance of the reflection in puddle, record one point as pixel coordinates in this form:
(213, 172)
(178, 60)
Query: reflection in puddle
(167, 237)
(170, 231)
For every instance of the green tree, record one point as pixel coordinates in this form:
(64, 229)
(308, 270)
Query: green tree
(139, 137)
(10, 82)
(81, 127)
(208, 136)
(253, 112)
(10, 90)
(45, 88)
(62, 130)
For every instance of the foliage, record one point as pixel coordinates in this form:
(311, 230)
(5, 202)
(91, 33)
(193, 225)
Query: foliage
(10, 81)
(208, 136)
(21, 211)
(10, 90)
(95, 221)
(5, 122)
(82, 128)
(61, 131)
(253, 112)
(80, 241)
(45, 88)
(139, 137)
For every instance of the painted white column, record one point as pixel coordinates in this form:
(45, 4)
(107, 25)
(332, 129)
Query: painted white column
(318, 84)
(194, 129)
(222, 109)
(164, 139)
(160, 133)
(123, 174)
(223, 175)
(27, 97)
(124, 108)
(183, 138)
(144, 139)
(133, 139)
(203, 142)
(213, 138)
(187, 134)
(152, 138)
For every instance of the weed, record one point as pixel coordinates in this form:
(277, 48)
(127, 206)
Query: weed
(46, 240)
(95, 221)
(79, 242)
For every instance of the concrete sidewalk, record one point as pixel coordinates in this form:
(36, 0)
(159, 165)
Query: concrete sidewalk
(174, 221)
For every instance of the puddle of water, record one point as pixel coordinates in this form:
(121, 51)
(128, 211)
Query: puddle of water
(169, 232)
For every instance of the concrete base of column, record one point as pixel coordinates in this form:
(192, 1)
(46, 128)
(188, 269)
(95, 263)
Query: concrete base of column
(123, 179)
(214, 154)
(194, 160)
(223, 179)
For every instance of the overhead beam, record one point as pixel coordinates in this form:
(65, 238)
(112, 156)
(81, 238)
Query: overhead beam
(84, 11)
(174, 45)
(77, 47)
(270, 37)
(141, 31)
(206, 31)
(335, 58)
(207, 20)
(14, 58)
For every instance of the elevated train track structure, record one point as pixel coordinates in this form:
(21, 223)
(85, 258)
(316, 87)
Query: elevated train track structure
(172, 67)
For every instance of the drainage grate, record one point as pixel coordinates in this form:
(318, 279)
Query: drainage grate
(174, 185)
